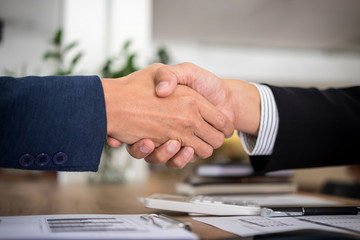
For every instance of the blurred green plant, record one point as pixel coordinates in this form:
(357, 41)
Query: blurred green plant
(59, 52)
(162, 56)
(125, 62)
(128, 66)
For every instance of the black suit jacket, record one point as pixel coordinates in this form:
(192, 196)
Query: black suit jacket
(52, 123)
(316, 128)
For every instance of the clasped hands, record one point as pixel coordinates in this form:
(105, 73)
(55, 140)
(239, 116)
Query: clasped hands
(172, 114)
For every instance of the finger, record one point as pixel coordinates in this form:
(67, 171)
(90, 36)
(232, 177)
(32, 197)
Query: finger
(113, 142)
(201, 147)
(165, 81)
(141, 149)
(216, 118)
(167, 77)
(193, 159)
(207, 133)
(164, 152)
(184, 156)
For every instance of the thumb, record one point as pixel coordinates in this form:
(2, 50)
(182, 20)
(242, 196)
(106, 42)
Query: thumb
(165, 82)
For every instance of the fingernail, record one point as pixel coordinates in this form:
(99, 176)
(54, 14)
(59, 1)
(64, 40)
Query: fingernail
(144, 149)
(187, 152)
(161, 86)
(172, 147)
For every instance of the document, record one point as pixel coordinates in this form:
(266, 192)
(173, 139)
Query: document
(247, 226)
(88, 227)
(273, 200)
(346, 222)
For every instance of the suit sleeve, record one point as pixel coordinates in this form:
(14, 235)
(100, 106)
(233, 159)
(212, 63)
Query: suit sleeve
(52, 123)
(316, 128)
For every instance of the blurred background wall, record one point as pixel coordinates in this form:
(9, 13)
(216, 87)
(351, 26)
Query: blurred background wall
(283, 42)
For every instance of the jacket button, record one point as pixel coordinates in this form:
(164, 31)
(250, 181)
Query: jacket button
(26, 160)
(42, 159)
(60, 158)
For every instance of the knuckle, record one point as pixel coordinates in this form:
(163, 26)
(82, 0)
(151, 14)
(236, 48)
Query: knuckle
(189, 100)
(221, 121)
(189, 122)
(187, 65)
(156, 65)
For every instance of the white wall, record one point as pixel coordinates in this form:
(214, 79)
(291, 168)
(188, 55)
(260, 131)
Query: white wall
(295, 42)
(28, 27)
(84, 22)
(280, 66)
(102, 27)
(131, 20)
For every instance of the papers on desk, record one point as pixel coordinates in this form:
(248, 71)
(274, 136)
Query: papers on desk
(87, 227)
(275, 200)
(255, 225)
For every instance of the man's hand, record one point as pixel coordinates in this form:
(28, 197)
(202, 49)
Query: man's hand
(238, 100)
(134, 112)
(234, 98)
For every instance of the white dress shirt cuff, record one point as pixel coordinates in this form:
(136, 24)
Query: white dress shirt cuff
(263, 144)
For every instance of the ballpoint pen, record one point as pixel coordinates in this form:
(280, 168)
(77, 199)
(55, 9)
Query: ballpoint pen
(304, 211)
(170, 222)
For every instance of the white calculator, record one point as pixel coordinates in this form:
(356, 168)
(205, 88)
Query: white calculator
(206, 205)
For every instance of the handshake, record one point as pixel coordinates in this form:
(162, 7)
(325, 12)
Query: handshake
(173, 114)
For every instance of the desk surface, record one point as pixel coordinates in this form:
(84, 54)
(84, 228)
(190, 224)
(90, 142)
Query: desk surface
(36, 198)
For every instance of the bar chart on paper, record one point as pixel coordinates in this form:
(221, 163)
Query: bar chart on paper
(87, 226)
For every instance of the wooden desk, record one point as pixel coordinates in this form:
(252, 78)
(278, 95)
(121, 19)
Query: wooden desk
(35, 198)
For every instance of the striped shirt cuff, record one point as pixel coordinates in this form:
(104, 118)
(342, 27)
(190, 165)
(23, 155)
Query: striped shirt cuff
(263, 144)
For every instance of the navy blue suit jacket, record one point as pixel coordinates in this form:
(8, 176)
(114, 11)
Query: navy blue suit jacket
(316, 128)
(52, 123)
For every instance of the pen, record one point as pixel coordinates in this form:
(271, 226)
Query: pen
(170, 222)
(305, 211)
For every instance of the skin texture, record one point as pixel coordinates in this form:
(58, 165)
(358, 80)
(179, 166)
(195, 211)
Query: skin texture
(238, 100)
(134, 112)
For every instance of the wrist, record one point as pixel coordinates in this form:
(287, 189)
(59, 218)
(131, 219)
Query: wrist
(246, 105)
(111, 90)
